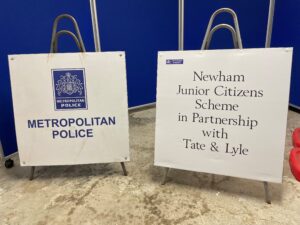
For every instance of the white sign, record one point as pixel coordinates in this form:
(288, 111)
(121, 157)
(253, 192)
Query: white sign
(70, 108)
(223, 111)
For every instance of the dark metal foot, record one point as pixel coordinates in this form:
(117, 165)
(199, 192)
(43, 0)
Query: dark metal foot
(165, 176)
(267, 193)
(9, 163)
(32, 169)
(124, 169)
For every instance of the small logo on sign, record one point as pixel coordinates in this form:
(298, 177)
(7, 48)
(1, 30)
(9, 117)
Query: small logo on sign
(174, 61)
(69, 89)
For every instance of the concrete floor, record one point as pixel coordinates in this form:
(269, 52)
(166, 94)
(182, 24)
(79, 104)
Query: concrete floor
(99, 194)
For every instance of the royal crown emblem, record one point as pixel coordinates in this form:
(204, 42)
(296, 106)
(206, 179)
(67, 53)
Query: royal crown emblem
(69, 84)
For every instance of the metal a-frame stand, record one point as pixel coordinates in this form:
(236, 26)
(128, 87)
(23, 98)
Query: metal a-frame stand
(79, 42)
(181, 24)
(96, 34)
(237, 42)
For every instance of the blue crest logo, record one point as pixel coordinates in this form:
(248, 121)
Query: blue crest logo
(69, 89)
(69, 84)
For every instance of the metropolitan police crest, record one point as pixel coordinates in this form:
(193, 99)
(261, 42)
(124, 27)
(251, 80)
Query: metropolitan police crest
(69, 89)
(69, 84)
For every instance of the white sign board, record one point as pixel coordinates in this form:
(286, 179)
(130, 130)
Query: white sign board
(70, 108)
(223, 111)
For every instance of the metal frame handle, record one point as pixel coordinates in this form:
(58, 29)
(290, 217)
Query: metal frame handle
(54, 48)
(56, 35)
(236, 26)
(96, 33)
(270, 23)
(181, 25)
(223, 26)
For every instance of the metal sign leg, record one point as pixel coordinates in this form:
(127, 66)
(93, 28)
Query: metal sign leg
(181, 24)
(32, 169)
(180, 48)
(165, 176)
(270, 23)
(96, 32)
(267, 193)
(124, 169)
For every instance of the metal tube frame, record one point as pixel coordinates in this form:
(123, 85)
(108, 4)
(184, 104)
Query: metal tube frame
(79, 44)
(55, 35)
(236, 25)
(270, 23)
(222, 26)
(269, 27)
(96, 32)
(181, 25)
(181, 37)
(97, 42)
(31, 176)
(180, 48)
